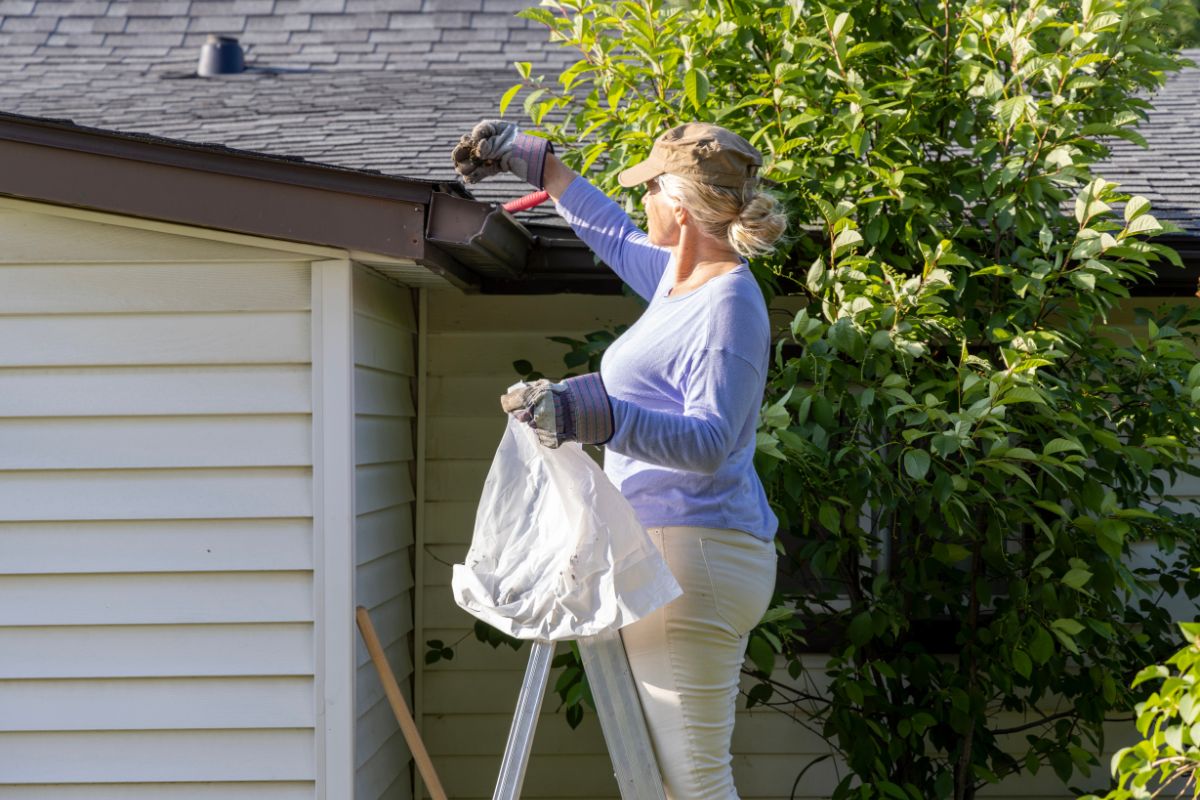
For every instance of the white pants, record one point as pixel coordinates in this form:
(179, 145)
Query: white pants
(686, 657)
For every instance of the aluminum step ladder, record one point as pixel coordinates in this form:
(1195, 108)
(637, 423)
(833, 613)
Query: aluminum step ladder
(617, 707)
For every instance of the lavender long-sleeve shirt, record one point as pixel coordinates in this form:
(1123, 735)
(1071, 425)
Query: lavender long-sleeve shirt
(686, 381)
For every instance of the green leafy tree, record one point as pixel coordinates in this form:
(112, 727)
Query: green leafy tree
(1167, 759)
(956, 440)
(1183, 19)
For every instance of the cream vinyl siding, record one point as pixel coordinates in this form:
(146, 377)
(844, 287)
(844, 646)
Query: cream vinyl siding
(156, 540)
(468, 702)
(384, 419)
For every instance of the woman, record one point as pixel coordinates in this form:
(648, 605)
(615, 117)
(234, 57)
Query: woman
(676, 404)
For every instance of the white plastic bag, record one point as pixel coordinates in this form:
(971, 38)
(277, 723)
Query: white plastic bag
(557, 552)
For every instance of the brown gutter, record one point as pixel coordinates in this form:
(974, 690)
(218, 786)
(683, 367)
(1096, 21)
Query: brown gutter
(217, 187)
(512, 258)
(483, 236)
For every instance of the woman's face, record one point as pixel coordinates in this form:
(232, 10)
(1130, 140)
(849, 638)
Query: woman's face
(663, 229)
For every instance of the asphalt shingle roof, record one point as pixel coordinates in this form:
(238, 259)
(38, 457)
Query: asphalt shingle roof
(1168, 172)
(378, 85)
(326, 34)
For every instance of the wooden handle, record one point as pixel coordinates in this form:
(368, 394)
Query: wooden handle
(399, 707)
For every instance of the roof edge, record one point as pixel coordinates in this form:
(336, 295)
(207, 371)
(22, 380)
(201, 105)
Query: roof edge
(211, 187)
(286, 199)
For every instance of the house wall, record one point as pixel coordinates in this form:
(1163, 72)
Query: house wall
(156, 536)
(468, 702)
(384, 421)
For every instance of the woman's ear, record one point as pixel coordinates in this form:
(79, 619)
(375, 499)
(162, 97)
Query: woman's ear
(681, 214)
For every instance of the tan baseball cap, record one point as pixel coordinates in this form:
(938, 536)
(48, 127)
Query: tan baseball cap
(700, 151)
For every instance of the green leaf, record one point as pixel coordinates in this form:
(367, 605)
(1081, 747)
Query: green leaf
(537, 14)
(860, 629)
(508, 97)
(695, 87)
(1088, 204)
(1084, 280)
(1022, 663)
(1136, 207)
(916, 464)
(1076, 578)
(865, 48)
(1068, 626)
(846, 240)
(1011, 111)
(1022, 394)
(841, 25)
(1173, 736)
(1055, 446)
(1145, 223)
(1089, 59)
(776, 614)
(1041, 646)
(829, 517)
(1104, 129)
(950, 553)
(531, 99)
(760, 654)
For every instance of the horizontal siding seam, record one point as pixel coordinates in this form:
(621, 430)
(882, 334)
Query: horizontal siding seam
(384, 321)
(305, 415)
(391, 323)
(161, 470)
(382, 510)
(381, 371)
(305, 312)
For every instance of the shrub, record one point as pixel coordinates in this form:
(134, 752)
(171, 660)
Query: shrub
(1168, 757)
(961, 449)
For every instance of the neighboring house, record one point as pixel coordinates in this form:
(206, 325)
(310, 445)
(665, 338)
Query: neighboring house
(252, 339)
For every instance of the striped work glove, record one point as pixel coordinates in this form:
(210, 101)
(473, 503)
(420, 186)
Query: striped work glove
(495, 146)
(575, 410)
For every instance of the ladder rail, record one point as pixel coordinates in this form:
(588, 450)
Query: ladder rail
(621, 717)
(617, 707)
(520, 735)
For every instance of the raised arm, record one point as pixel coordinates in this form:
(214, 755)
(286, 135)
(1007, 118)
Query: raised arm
(557, 177)
(495, 145)
(606, 229)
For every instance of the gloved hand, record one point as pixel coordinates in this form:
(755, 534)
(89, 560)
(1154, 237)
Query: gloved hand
(575, 410)
(493, 146)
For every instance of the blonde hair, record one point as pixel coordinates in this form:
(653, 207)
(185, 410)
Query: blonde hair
(751, 221)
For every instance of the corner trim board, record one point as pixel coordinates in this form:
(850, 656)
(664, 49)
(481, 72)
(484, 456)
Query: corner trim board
(333, 525)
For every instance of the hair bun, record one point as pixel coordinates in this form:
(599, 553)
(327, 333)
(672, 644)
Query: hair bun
(759, 226)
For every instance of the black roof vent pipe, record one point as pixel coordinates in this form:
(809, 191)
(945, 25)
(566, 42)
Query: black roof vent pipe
(221, 55)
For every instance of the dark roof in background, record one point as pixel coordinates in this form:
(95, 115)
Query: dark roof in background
(394, 123)
(376, 85)
(140, 35)
(1168, 173)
